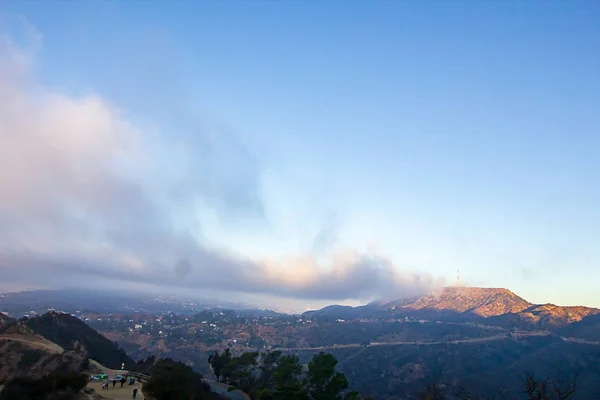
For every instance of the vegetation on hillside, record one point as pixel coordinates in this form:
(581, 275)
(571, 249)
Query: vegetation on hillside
(171, 380)
(54, 386)
(489, 368)
(273, 376)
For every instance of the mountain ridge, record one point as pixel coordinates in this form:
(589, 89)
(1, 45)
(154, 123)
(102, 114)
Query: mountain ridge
(496, 305)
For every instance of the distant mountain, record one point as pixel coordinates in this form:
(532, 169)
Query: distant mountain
(32, 302)
(256, 312)
(496, 305)
(334, 311)
(451, 301)
(70, 332)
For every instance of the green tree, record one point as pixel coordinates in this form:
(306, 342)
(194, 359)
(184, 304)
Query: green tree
(240, 372)
(219, 362)
(288, 380)
(269, 376)
(432, 392)
(324, 383)
(268, 363)
(171, 380)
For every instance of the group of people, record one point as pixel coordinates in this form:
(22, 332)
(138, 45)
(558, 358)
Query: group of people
(106, 385)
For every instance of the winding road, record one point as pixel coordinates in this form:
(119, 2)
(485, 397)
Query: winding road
(503, 336)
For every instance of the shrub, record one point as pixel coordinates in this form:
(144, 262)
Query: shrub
(29, 358)
(55, 386)
(176, 381)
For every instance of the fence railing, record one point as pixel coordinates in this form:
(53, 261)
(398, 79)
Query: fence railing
(138, 375)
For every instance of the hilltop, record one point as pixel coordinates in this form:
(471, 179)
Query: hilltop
(483, 302)
(70, 332)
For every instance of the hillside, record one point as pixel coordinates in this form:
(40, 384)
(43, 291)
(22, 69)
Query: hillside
(69, 332)
(543, 316)
(34, 360)
(27, 354)
(490, 368)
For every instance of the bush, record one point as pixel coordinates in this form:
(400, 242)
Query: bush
(74, 381)
(29, 358)
(55, 386)
(172, 380)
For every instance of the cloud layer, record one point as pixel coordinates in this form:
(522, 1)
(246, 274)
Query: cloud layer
(88, 195)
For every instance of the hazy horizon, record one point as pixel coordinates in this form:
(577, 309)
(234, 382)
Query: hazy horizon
(301, 153)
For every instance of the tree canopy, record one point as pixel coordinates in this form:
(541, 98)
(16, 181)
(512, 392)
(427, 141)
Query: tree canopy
(172, 380)
(271, 376)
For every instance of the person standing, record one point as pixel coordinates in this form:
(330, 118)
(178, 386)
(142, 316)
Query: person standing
(135, 393)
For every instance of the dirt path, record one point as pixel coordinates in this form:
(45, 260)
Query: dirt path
(36, 342)
(107, 371)
(117, 393)
(575, 340)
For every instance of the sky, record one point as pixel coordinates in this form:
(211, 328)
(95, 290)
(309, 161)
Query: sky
(301, 153)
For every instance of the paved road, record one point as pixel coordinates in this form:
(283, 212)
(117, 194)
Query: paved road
(223, 390)
(503, 336)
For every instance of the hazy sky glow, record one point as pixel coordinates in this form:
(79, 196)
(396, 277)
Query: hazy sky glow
(301, 152)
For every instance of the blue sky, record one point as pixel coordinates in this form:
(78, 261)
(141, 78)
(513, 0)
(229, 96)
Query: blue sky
(434, 136)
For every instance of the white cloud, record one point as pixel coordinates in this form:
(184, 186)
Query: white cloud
(86, 194)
